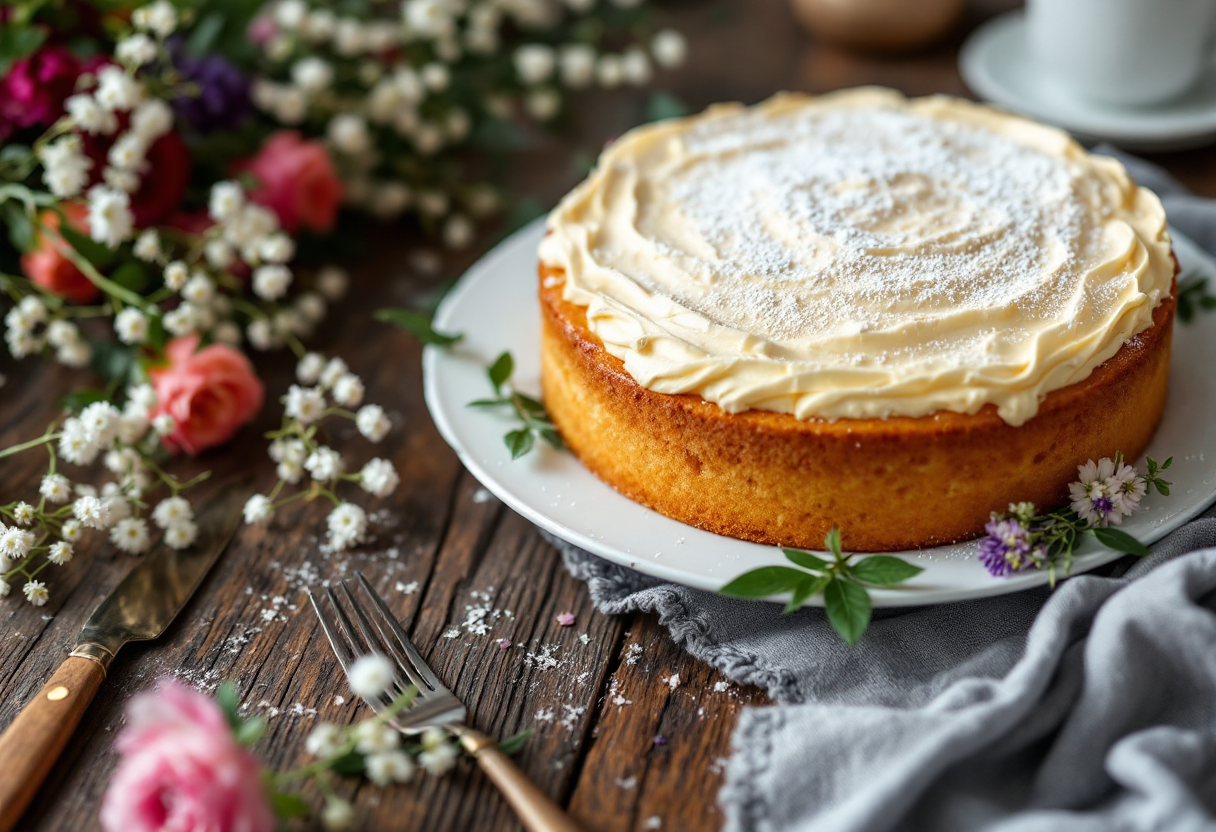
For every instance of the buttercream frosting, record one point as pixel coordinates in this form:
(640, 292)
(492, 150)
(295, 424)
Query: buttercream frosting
(860, 255)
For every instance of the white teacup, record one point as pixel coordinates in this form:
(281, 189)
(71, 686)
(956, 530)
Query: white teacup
(1122, 52)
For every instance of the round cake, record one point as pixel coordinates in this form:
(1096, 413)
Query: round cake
(889, 315)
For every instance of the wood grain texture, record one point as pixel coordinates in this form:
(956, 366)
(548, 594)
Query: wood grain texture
(596, 714)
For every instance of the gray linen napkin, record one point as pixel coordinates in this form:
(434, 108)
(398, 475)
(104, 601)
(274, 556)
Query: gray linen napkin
(1089, 708)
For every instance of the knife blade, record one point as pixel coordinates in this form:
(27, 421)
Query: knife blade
(140, 608)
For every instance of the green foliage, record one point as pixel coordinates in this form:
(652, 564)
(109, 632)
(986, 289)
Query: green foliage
(18, 41)
(1120, 541)
(288, 805)
(418, 324)
(514, 744)
(663, 105)
(531, 412)
(848, 607)
(1193, 297)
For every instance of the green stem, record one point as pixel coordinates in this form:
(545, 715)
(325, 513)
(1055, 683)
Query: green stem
(49, 436)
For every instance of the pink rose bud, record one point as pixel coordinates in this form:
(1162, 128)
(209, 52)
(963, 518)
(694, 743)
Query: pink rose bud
(566, 619)
(296, 179)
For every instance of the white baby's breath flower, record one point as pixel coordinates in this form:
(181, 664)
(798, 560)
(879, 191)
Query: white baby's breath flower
(151, 120)
(371, 675)
(291, 105)
(348, 390)
(131, 535)
(277, 248)
(132, 426)
(55, 488)
(147, 246)
(312, 74)
(430, 19)
(389, 767)
(183, 320)
(348, 133)
(271, 282)
(319, 25)
(100, 422)
(311, 306)
(35, 593)
(110, 218)
(143, 395)
(325, 740)
(534, 63)
(128, 153)
(199, 289)
(258, 511)
(76, 445)
(226, 201)
(389, 199)
(433, 203)
(181, 535)
(435, 77)
(635, 67)
(261, 334)
(219, 253)
(60, 333)
(458, 232)
(334, 369)
(5, 588)
(32, 310)
(91, 512)
(372, 422)
(669, 48)
(127, 181)
(289, 14)
(332, 282)
(308, 371)
(324, 464)
(438, 761)
(163, 424)
(115, 503)
(304, 404)
(347, 525)
(116, 90)
(172, 510)
(427, 138)
(608, 71)
(131, 326)
(23, 514)
(375, 738)
(60, 553)
(543, 104)
(74, 354)
(338, 815)
(289, 471)
(379, 478)
(176, 275)
(90, 116)
(65, 167)
(159, 18)
(71, 531)
(15, 543)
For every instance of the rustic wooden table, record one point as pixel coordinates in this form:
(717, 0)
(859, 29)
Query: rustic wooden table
(443, 545)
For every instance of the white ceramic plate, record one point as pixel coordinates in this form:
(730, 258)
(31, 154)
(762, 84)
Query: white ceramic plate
(495, 306)
(995, 63)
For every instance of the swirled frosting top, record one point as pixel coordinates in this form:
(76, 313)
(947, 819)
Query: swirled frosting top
(860, 255)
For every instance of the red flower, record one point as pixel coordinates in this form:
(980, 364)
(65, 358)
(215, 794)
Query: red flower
(296, 180)
(209, 393)
(47, 267)
(35, 88)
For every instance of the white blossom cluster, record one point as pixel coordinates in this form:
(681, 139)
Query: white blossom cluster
(390, 110)
(385, 761)
(125, 440)
(30, 327)
(326, 389)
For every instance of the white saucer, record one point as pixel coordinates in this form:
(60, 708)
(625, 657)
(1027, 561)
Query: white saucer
(995, 63)
(495, 307)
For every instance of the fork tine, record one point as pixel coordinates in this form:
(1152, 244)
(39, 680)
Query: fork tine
(345, 657)
(415, 657)
(356, 647)
(384, 642)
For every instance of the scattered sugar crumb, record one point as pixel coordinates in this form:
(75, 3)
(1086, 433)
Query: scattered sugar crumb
(584, 638)
(570, 715)
(545, 715)
(453, 633)
(627, 783)
(721, 687)
(482, 495)
(654, 822)
(545, 660)
(339, 699)
(407, 589)
(633, 653)
(673, 681)
(718, 765)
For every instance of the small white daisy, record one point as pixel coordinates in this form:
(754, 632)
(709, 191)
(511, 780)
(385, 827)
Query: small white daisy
(347, 524)
(131, 535)
(71, 530)
(172, 510)
(372, 422)
(258, 509)
(305, 404)
(379, 478)
(60, 553)
(324, 464)
(308, 371)
(91, 512)
(35, 593)
(56, 488)
(180, 535)
(23, 514)
(348, 390)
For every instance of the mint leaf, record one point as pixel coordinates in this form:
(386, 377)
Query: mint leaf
(832, 542)
(1120, 541)
(552, 438)
(805, 590)
(418, 324)
(501, 370)
(848, 607)
(884, 570)
(805, 559)
(519, 442)
(762, 582)
(488, 402)
(515, 743)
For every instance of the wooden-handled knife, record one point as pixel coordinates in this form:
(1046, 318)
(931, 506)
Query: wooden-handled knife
(140, 608)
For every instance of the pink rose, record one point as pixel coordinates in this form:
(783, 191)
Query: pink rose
(35, 88)
(209, 393)
(296, 180)
(182, 770)
(45, 264)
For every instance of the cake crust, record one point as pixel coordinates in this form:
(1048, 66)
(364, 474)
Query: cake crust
(888, 484)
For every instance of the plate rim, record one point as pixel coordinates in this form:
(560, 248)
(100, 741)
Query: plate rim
(485, 268)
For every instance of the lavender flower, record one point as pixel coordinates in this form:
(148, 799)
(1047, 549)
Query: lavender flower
(1126, 487)
(1008, 547)
(222, 100)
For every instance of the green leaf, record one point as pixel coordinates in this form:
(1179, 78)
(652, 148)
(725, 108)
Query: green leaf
(805, 559)
(287, 805)
(763, 582)
(250, 731)
(1120, 541)
(552, 438)
(1167, 463)
(809, 586)
(230, 702)
(91, 250)
(132, 275)
(417, 324)
(112, 361)
(78, 400)
(832, 542)
(514, 744)
(1163, 487)
(884, 570)
(519, 442)
(501, 370)
(848, 607)
(530, 404)
(202, 39)
(487, 403)
(349, 764)
(17, 42)
(20, 229)
(663, 105)
(496, 134)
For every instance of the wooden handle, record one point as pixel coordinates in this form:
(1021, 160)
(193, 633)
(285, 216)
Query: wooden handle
(30, 746)
(532, 806)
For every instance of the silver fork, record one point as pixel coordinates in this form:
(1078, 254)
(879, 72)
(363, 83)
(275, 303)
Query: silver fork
(372, 628)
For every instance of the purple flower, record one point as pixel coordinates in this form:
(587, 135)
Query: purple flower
(1008, 548)
(220, 99)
